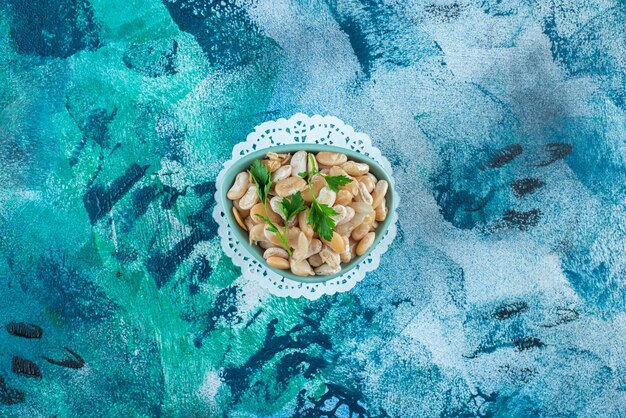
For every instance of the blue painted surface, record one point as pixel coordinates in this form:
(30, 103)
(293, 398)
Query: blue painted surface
(503, 294)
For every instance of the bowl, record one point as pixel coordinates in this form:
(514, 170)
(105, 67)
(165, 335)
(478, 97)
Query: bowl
(257, 252)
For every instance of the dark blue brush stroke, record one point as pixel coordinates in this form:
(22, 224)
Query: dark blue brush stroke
(223, 30)
(58, 28)
(142, 198)
(298, 337)
(594, 49)
(162, 266)
(69, 292)
(99, 199)
(96, 129)
(377, 34)
(10, 395)
(223, 308)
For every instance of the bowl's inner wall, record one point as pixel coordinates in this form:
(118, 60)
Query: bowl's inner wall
(257, 251)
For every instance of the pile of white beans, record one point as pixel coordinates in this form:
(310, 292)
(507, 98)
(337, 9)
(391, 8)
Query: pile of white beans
(360, 206)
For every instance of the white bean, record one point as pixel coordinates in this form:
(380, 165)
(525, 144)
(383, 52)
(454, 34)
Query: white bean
(352, 187)
(259, 209)
(331, 158)
(249, 223)
(349, 215)
(314, 247)
(381, 211)
(281, 174)
(267, 245)
(353, 245)
(325, 270)
(379, 192)
(337, 171)
(303, 224)
(272, 237)
(275, 252)
(257, 233)
(344, 214)
(345, 229)
(242, 181)
(330, 257)
(344, 197)
(345, 254)
(364, 195)
(327, 196)
(238, 219)
(301, 249)
(361, 207)
(272, 165)
(355, 169)
(360, 231)
(318, 183)
(315, 260)
(289, 186)
(358, 218)
(283, 158)
(250, 198)
(341, 214)
(301, 268)
(278, 263)
(298, 163)
(292, 237)
(275, 205)
(368, 182)
(365, 243)
(307, 195)
(243, 212)
(336, 243)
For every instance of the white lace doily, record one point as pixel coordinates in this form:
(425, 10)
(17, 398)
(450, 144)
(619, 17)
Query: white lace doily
(301, 128)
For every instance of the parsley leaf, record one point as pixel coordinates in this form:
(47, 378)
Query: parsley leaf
(292, 207)
(334, 182)
(320, 218)
(264, 218)
(261, 176)
(270, 226)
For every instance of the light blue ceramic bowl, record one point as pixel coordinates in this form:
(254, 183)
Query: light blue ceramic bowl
(256, 251)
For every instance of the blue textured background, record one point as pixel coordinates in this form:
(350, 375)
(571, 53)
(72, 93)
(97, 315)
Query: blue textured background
(503, 295)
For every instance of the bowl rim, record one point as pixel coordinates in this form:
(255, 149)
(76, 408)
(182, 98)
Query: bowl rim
(257, 252)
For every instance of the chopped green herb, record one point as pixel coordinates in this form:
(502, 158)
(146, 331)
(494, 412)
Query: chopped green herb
(261, 176)
(271, 227)
(334, 182)
(292, 207)
(314, 169)
(321, 221)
